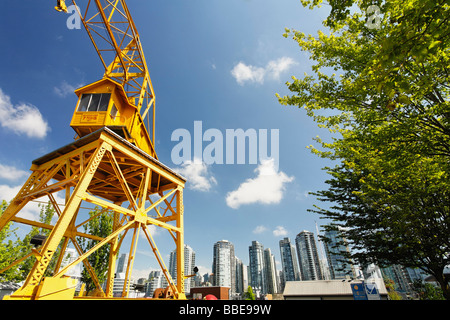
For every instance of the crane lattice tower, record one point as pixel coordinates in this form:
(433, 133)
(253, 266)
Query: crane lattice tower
(111, 164)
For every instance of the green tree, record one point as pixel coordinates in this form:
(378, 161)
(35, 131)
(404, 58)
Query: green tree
(397, 71)
(45, 216)
(18, 248)
(391, 211)
(390, 287)
(249, 295)
(427, 291)
(100, 225)
(388, 107)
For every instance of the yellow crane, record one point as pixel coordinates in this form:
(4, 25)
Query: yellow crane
(124, 99)
(111, 164)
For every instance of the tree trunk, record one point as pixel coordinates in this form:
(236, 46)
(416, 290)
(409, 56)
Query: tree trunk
(443, 282)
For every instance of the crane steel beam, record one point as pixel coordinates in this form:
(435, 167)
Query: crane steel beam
(116, 40)
(97, 150)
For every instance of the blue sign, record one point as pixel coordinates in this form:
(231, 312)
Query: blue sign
(359, 291)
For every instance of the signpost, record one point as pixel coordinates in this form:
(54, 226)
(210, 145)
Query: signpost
(359, 291)
(363, 291)
(372, 292)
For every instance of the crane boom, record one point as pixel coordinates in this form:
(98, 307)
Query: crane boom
(116, 41)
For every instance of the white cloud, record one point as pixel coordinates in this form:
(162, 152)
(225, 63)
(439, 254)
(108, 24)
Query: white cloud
(243, 73)
(7, 193)
(31, 210)
(275, 67)
(248, 73)
(197, 175)
(266, 188)
(11, 173)
(259, 229)
(22, 119)
(154, 231)
(65, 89)
(279, 231)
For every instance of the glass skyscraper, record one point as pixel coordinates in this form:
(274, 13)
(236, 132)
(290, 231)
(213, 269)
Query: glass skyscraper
(308, 256)
(288, 261)
(224, 265)
(335, 246)
(189, 264)
(270, 272)
(122, 263)
(257, 270)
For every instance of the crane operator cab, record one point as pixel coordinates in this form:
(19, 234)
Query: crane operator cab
(105, 104)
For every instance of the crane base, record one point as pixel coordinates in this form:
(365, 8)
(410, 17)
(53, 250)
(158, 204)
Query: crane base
(105, 170)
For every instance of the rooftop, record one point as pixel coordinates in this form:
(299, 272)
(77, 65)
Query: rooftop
(326, 288)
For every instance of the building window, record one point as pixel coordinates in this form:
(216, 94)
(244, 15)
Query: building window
(94, 102)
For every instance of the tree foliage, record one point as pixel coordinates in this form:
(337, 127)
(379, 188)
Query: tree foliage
(392, 82)
(426, 291)
(45, 216)
(9, 250)
(391, 289)
(13, 248)
(249, 295)
(387, 104)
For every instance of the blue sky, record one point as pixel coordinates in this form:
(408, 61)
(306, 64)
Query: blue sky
(215, 61)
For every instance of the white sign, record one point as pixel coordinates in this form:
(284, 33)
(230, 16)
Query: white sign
(372, 292)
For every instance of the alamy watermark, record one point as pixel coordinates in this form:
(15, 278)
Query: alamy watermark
(236, 146)
(372, 12)
(74, 20)
(373, 17)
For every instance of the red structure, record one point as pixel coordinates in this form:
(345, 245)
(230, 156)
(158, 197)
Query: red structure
(221, 293)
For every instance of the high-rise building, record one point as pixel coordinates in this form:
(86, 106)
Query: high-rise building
(308, 256)
(70, 255)
(372, 271)
(206, 279)
(400, 276)
(189, 264)
(270, 272)
(197, 280)
(119, 277)
(257, 270)
(155, 281)
(224, 265)
(290, 271)
(239, 275)
(335, 246)
(245, 277)
(119, 287)
(122, 263)
(282, 282)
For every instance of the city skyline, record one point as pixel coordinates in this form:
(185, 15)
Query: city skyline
(226, 275)
(274, 280)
